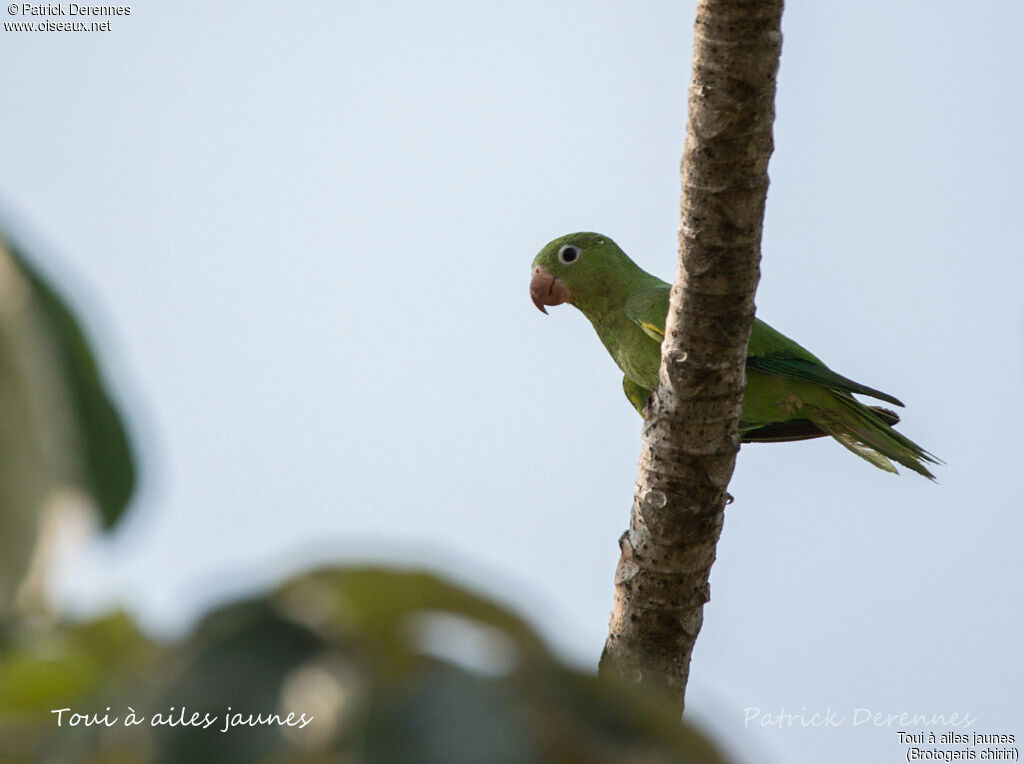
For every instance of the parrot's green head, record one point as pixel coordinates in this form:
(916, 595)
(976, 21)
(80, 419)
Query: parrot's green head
(583, 269)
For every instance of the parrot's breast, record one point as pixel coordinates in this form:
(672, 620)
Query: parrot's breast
(634, 352)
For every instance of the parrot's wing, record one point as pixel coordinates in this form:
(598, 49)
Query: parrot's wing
(775, 353)
(648, 307)
(808, 371)
(769, 350)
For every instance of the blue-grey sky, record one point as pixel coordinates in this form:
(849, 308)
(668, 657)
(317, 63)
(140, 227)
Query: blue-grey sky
(302, 237)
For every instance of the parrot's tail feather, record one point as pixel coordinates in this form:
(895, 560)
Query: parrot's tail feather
(803, 429)
(866, 432)
(865, 452)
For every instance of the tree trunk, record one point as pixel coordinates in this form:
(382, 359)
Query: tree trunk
(690, 435)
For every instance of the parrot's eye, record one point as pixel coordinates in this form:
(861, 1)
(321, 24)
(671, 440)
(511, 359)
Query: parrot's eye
(568, 254)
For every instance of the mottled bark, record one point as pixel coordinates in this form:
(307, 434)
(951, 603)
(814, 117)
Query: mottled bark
(689, 438)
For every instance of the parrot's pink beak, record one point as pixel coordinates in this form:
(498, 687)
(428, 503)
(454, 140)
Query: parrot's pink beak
(545, 289)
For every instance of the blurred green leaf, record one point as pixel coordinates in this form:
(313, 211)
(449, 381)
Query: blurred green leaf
(105, 450)
(58, 427)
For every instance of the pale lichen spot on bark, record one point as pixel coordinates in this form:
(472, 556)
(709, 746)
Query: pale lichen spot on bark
(655, 499)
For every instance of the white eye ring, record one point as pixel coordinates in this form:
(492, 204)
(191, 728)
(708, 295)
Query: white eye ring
(569, 254)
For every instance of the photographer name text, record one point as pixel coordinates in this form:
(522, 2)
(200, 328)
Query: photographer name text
(857, 717)
(68, 9)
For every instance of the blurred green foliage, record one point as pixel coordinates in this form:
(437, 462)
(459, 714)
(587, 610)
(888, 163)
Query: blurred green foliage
(374, 665)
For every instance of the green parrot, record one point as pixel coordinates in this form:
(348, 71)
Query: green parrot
(790, 393)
